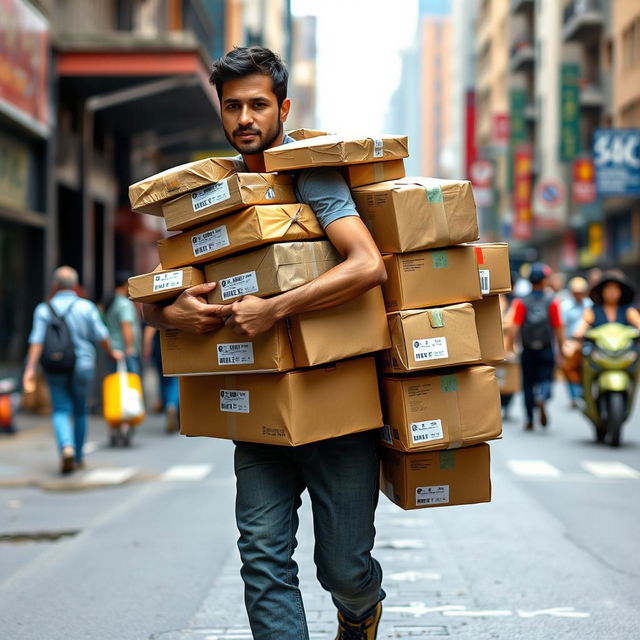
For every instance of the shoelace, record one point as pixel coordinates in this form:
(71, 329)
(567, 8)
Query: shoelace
(349, 632)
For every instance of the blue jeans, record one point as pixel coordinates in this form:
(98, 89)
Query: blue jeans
(538, 366)
(341, 476)
(169, 393)
(69, 393)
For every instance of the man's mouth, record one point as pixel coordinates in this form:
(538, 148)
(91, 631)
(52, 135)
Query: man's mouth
(246, 135)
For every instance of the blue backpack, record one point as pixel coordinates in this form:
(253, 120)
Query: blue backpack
(58, 353)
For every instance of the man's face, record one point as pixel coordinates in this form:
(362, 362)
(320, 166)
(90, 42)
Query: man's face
(251, 118)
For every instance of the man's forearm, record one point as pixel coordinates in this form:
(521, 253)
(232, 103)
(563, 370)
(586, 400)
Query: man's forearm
(33, 355)
(153, 315)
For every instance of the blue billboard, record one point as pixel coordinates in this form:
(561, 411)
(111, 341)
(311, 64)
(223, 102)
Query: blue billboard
(616, 158)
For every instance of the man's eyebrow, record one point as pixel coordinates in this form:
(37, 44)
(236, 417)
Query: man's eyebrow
(252, 99)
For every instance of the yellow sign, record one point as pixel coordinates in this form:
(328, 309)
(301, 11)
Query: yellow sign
(14, 172)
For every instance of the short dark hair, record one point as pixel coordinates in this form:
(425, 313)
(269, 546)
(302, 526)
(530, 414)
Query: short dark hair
(246, 61)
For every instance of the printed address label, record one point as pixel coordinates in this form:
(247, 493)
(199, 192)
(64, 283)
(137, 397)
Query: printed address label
(208, 196)
(378, 148)
(210, 241)
(485, 281)
(234, 401)
(169, 280)
(426, 431)
(240, 285)
(234, 353)
(430, 349)
(438, 494)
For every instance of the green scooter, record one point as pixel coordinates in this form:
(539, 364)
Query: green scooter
(609, 377)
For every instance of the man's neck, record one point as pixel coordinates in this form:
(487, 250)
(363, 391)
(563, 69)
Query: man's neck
(255, 161)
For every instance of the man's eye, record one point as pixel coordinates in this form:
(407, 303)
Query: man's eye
(231, 107)
(260, 105)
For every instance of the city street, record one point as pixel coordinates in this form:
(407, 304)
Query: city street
(141, 545)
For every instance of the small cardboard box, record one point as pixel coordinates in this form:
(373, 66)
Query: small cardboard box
(224, 351)
(357, 175)
(431, 338)
(305, 134)
(431, 278)
(441, 410)
(252, 227)
(437, 478)
(509, 377)
(146, 196)
(418, 213)
(350, 329)
(291, 409)
(489, 326)
(334, 151)
(226, 196)
(270, 270)
(493, 266)
(163, 285)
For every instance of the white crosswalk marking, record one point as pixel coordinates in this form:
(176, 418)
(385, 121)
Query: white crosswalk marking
(187, 472)
(610, 469)
(90, 447)
(109, 476)
(533, 468)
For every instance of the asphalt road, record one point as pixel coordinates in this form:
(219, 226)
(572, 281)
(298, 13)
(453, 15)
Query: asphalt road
(142, 544)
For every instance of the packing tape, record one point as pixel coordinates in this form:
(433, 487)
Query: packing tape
(449, 387)
(436, 318)
(232, 423)
(378, 172)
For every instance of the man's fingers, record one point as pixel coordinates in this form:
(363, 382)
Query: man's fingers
(201, 289)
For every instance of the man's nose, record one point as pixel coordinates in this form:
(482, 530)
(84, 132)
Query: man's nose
(246, 117)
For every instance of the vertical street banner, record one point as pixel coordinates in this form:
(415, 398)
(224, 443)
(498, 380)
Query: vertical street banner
(569, 111)
(522, 192)
(517, 129)
(583, 186)
(616, 156)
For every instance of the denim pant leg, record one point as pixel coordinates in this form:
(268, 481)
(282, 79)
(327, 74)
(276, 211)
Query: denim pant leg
(528, 365)
(267, 501)
(81, 386)
(62, 407)
(545, 367)
(342, 478)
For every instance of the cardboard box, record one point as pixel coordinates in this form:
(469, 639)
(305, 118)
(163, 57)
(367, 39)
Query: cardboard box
(493, 265)
(418, 213)
(508, 375)
(224, 351)
(163, 285)
(489, 326)
(252, 227)
(441, 410)
(334, 151)
(357, 175)
(305, 134)
(270, 270)
(226, 196)
(147, 195)
(431, 338)
(437, 478)
(431, 278)
(284, 409)
(350, 329)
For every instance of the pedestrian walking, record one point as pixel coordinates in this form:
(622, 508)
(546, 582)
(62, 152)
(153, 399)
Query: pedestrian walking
(341, 474)
(538, 324)
(70, 381)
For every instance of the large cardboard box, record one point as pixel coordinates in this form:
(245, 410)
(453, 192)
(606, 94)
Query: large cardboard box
(293, 408)
(509, 377)
(431, 278)
(226, 196)
(493, 266)
(437, 478)
(350, 329)
(431, 338)
(224, 351)
(305, 134)
(441, 410)
(489, 326)
(163, 285)
(250, 228)
(357, 175)
(418, 213)
(146, 196)
(273, 269)
(333, 151)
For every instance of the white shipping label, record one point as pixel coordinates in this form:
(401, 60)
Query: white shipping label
(485, 281)
(209, 241)
(385, 434)
(426, 431)
(207, 197)
(240, 285)
(234, 353)
(169, 280)
(430, 349)
(234, 401)
(378, 148)
(432, 495)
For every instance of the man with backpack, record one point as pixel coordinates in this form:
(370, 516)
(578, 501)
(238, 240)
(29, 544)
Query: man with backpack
(536, 319)
(65, 330)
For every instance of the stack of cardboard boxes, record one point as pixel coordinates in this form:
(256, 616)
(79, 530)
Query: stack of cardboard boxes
(434, 322)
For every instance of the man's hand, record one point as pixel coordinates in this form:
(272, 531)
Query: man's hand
(29, 379)
(249, 316)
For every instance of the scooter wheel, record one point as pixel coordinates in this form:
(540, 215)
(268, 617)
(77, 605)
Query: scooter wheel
(616, 409)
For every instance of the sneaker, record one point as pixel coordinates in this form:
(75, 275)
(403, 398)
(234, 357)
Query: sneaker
(67, 462)
(365, 630)
(528, 426)
(543, 414)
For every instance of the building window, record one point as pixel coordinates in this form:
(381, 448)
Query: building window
(631, 44)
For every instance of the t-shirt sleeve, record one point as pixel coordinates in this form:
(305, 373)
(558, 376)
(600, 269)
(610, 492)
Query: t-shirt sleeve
(99, 331)
(555, 317)
(40, 320)
(518, 312)
(327, 193)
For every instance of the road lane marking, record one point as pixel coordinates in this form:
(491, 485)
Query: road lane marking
(558, 612)
(414, 576)
(109, 476)
(491, 613)
(90, 447)
(187, 472)
(610, 469)
(533, 468)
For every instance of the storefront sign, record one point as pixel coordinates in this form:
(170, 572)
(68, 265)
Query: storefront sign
(583, 186)
(549, 203)
(500, 129)
(24, 59)
(517, 130)
(616, 156)
(569, 111)
(14, 172)
(522, 222)
(482, 181)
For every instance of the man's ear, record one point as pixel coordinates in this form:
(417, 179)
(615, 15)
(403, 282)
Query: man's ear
(284, 109)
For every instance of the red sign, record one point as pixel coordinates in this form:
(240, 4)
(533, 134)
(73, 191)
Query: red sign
(500, 129)
(522, 188)
(583, 188)
(470, 132)
(482, 181)
(24, 60)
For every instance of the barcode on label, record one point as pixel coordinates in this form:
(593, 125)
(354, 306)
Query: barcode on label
(234, 401)
(432, 495)
(485, 281)
(385, 434)
(239, 285)
(378, 148)
(430, 349)
(426, 431)
(203, 198)
(164, 281)
(209, 241)
(231, 353)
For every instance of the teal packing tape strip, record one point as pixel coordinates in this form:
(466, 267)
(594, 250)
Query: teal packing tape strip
(436, 319)
(434, 194)
(449, 383)
(447, 460)
(439, 259)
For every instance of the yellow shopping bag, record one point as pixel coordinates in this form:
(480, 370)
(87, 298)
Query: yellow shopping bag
(122, 400)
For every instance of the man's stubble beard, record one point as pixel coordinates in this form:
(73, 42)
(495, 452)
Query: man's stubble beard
(260, 146)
